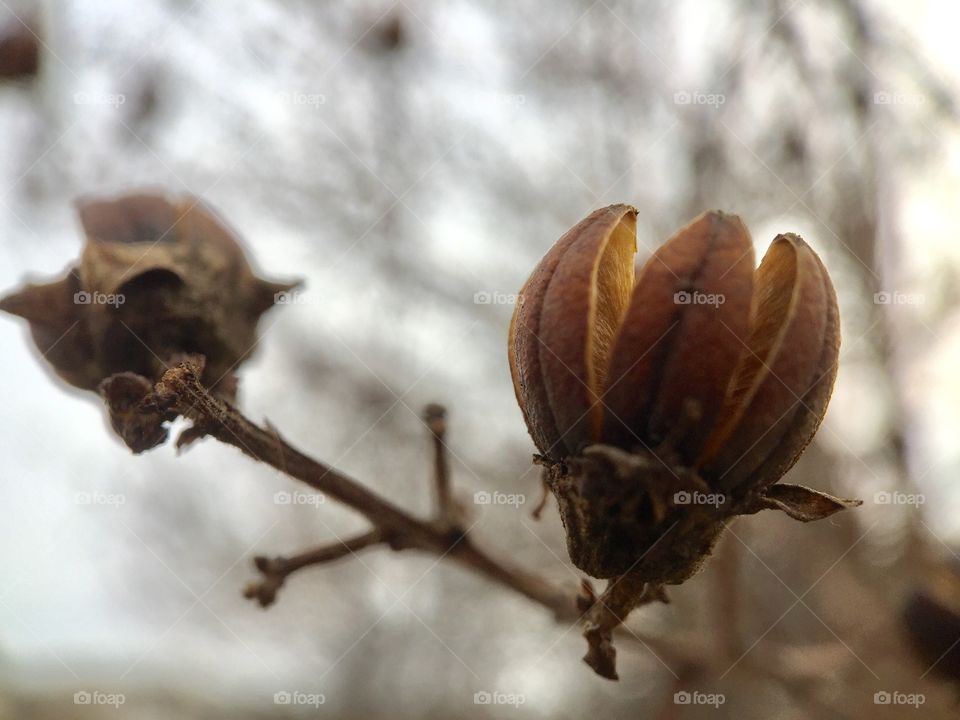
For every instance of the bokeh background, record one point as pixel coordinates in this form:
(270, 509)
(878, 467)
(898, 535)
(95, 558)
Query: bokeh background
(412, 161)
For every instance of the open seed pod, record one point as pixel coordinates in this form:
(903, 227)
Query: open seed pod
(669, 400)
(158, 279)
(699, 355)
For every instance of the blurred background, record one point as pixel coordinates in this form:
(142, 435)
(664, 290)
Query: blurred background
(412, 161)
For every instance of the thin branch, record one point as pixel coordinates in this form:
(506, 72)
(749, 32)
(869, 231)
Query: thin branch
(435, 418)
(726, 607)
(180, 392)
(276, 569)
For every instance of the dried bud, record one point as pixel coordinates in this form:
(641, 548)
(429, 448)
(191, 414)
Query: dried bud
(157, 279)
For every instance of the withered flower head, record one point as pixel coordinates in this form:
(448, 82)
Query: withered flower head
(697, 374)
(158, 279)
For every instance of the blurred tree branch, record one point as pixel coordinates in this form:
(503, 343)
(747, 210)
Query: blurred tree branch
(180, 392)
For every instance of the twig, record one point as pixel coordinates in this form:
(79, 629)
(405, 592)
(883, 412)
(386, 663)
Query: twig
(623, 594)
(275, 570)
(727, 604)
(435, 417)
(179, 391)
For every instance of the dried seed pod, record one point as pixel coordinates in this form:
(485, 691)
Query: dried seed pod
(701, 360)
(157, 278)
(703, 379)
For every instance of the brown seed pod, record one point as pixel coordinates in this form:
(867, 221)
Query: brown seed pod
(665, 404)
(702, 359)
(158, 278)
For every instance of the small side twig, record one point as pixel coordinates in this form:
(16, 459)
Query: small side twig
(435, 417)
(276, 569)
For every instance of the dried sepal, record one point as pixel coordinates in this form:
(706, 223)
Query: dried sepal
(802, 503)
(58, 328)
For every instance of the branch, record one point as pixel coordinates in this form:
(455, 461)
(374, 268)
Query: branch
(179, 392)
(435, 418)
(275, 570)
(727, 605)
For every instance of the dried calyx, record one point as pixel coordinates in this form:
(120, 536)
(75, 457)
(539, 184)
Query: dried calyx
(158, 279)
(665, 402)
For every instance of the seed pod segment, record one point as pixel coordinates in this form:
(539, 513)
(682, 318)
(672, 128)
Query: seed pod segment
(681, 338)
(564, 325)
(782, 361)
